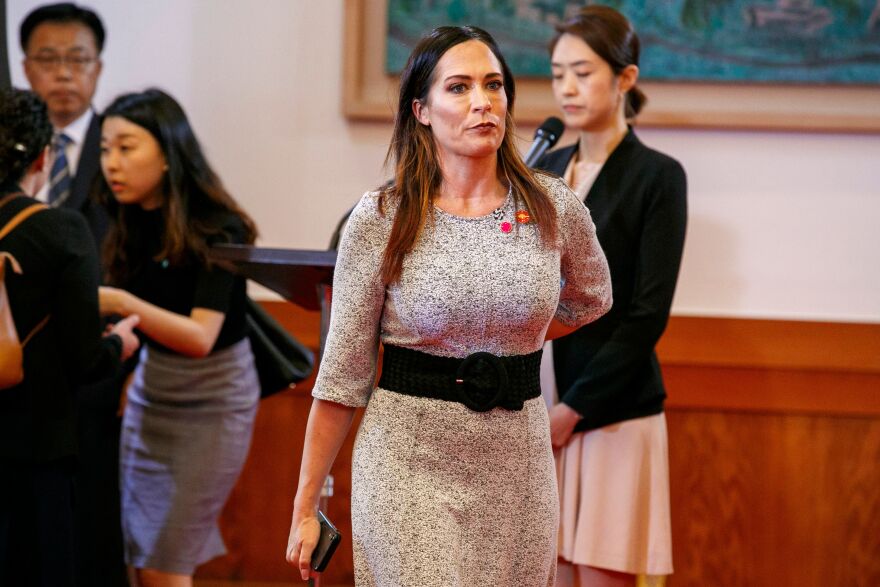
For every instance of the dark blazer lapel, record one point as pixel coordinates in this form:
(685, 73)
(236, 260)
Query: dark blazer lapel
(87, 168)
(556, 161)
(615, 165)
(80, 198)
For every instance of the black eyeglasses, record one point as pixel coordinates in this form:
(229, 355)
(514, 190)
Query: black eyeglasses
(76, 63)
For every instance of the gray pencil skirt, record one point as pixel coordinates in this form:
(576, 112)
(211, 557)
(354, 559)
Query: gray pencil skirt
(185, 437)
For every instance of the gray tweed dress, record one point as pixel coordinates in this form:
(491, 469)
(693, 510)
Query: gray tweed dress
(442, 495)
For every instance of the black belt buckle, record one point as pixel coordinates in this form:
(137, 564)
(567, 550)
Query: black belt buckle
(480, 398)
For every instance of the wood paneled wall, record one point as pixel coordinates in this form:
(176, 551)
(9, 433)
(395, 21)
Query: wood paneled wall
(774, 433)
(774, 499)
(774, 441)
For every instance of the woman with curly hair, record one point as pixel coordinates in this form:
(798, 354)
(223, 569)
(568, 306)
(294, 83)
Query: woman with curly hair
(51, 277)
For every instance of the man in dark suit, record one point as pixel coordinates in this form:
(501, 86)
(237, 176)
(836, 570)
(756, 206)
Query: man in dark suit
(62, 44)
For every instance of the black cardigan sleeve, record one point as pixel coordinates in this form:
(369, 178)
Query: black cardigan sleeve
(88, 356)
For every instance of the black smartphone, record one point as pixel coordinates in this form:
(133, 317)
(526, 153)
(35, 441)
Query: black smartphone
(327, 543)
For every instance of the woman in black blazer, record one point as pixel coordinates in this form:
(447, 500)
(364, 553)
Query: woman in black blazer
(607, 417)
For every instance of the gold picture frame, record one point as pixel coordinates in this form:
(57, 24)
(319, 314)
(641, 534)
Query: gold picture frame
(370, 94)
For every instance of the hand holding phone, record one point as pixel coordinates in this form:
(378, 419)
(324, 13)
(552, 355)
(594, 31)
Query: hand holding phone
(327, 543)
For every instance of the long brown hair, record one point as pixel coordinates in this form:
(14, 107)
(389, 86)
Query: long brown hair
(417, 170)
(613, 38)
(193, 192)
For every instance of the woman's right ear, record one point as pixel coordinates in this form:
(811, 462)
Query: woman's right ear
(420, 111)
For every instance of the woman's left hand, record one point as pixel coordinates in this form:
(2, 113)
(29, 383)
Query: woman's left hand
(563, 419)
(111, 300)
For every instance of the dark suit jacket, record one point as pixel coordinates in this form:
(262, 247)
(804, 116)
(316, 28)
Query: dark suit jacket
(59, 278)
(608, 370)
(87, 170)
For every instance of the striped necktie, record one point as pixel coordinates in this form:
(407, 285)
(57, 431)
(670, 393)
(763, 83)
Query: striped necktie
(60, 179)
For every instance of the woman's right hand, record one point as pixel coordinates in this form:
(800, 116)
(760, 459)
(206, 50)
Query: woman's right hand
(329, 422)
(563, 420)
(124, 329)
(305, 530)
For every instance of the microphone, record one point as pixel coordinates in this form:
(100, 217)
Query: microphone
(545, 137)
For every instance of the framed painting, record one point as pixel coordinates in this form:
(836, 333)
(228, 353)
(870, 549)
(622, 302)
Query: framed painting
(769, 69)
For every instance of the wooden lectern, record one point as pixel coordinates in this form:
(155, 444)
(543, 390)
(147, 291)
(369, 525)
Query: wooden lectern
(303, 277)
(291, 273)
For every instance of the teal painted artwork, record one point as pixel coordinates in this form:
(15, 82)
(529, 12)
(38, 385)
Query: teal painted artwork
(773, 41)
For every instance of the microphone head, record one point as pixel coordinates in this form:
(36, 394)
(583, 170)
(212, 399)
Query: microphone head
(550, 130)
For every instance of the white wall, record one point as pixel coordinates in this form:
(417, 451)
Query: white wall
(782, 225)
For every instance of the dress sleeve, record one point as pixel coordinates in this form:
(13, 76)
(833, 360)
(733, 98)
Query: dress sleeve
(347, 374)
(586, 281)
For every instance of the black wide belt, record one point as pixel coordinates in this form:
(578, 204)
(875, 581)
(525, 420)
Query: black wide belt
(480, 381)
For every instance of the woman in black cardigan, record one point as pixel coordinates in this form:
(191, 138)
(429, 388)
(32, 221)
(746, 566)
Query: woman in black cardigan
(59, 279)
(607, 420)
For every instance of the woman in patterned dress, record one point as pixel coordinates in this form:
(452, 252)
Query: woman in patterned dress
(458, 268)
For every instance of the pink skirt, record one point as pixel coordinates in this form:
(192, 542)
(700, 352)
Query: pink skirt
(614, 498)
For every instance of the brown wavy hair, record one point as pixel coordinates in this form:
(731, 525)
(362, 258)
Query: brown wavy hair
(417, 173)
(194, 194)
